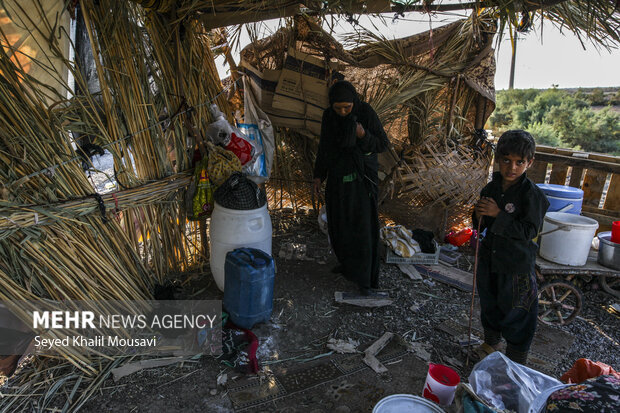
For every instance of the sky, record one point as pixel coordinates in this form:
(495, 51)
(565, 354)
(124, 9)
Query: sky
(553, 58)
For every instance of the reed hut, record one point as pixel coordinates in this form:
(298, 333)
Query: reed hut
(143, 78)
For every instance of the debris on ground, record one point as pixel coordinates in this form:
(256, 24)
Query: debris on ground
(374, 300)
(222, 379)
(370, 353)
(295, 251)
(410, 271)
(343, 346)
(421, 350)
(130, 368)
(465, 342)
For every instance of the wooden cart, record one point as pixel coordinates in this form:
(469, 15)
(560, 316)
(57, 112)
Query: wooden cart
(559, 299)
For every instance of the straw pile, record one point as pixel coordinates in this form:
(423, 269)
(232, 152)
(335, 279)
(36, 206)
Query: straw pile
(59, 240)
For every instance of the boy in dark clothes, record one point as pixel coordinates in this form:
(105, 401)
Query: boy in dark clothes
(512, 210)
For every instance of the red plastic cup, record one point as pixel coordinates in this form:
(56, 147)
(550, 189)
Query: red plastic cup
(615, 232)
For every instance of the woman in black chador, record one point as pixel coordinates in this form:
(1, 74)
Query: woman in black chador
(351, 137)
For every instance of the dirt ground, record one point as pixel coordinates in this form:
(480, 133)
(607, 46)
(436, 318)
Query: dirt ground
(297, 369)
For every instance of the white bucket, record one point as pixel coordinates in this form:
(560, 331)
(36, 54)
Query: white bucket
(234, 228)
(566, 238)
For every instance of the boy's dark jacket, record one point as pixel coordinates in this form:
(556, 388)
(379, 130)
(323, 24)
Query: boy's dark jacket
(508, 246)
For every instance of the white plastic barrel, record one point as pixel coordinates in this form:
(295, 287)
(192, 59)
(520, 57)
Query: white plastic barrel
(566, 238)
(234, 228)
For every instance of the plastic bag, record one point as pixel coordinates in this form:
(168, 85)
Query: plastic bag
(584, 369)
(222, 163)
(254, 115)
(231, 138)
(203, 197)
(504, 384)
(257, 166)
(322, 219)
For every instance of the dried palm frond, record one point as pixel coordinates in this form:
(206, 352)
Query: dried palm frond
(157, 79)
(597, 20)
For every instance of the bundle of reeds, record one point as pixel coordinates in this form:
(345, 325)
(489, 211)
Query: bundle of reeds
(157, 78)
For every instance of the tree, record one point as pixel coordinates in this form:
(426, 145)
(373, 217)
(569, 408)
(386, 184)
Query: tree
(597, 97)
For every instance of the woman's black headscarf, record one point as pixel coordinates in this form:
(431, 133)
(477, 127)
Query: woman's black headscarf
(342, 91)
(344, 126)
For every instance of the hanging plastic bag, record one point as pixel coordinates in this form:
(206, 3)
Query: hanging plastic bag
(254, 115)
(203, 198)
(223, 133)
(507, 385)
(257, 166)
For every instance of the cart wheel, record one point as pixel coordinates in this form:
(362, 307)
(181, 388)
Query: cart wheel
(559, 302)
(610, 284)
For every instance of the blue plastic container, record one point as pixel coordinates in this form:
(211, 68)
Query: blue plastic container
(563, 198)
(248, 286)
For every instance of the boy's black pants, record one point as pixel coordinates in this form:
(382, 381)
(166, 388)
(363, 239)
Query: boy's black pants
(508, 305)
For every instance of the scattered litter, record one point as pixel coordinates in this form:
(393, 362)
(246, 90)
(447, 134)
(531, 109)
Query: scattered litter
(373, 350)
(329, 353)
(222, 379)
(453, 362)
(428, 282)
(615, 307)
(291, 250)
(410, 271)
(464, 342)
(421, 350)
(343, 346)
(213, 392)
(120, 372)
(364, 334)
(429, 294)
(415, 307)
(375, 300)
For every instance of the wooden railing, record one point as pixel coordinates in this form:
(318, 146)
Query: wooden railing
(596, 174)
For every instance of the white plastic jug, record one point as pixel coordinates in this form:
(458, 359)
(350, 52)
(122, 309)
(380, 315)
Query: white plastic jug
(566, 238)
(235, 228)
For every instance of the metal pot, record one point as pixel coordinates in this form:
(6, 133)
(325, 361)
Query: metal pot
(608, 252)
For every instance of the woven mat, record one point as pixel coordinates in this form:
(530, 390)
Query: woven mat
(289, 381)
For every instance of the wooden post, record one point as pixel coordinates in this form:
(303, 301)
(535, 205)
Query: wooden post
(511, 82)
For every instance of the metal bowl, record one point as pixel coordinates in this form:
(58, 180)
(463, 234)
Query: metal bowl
(608, 252)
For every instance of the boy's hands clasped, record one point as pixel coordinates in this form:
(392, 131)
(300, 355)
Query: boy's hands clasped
(487, 206)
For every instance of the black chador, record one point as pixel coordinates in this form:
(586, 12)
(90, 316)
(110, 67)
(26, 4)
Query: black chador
(350, 165)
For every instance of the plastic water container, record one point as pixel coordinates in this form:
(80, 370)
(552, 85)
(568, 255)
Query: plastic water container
(563, 198)
(248, 296)
(235, 228)
(566, 238)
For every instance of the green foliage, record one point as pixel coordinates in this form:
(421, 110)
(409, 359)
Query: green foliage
(597, 98)
(556, 117)
(544, 134)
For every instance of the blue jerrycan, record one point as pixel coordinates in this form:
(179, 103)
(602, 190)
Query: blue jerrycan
(248, 286)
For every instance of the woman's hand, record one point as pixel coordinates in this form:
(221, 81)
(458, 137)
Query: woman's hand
(359, 131)
(316, 186)
(487, 206)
